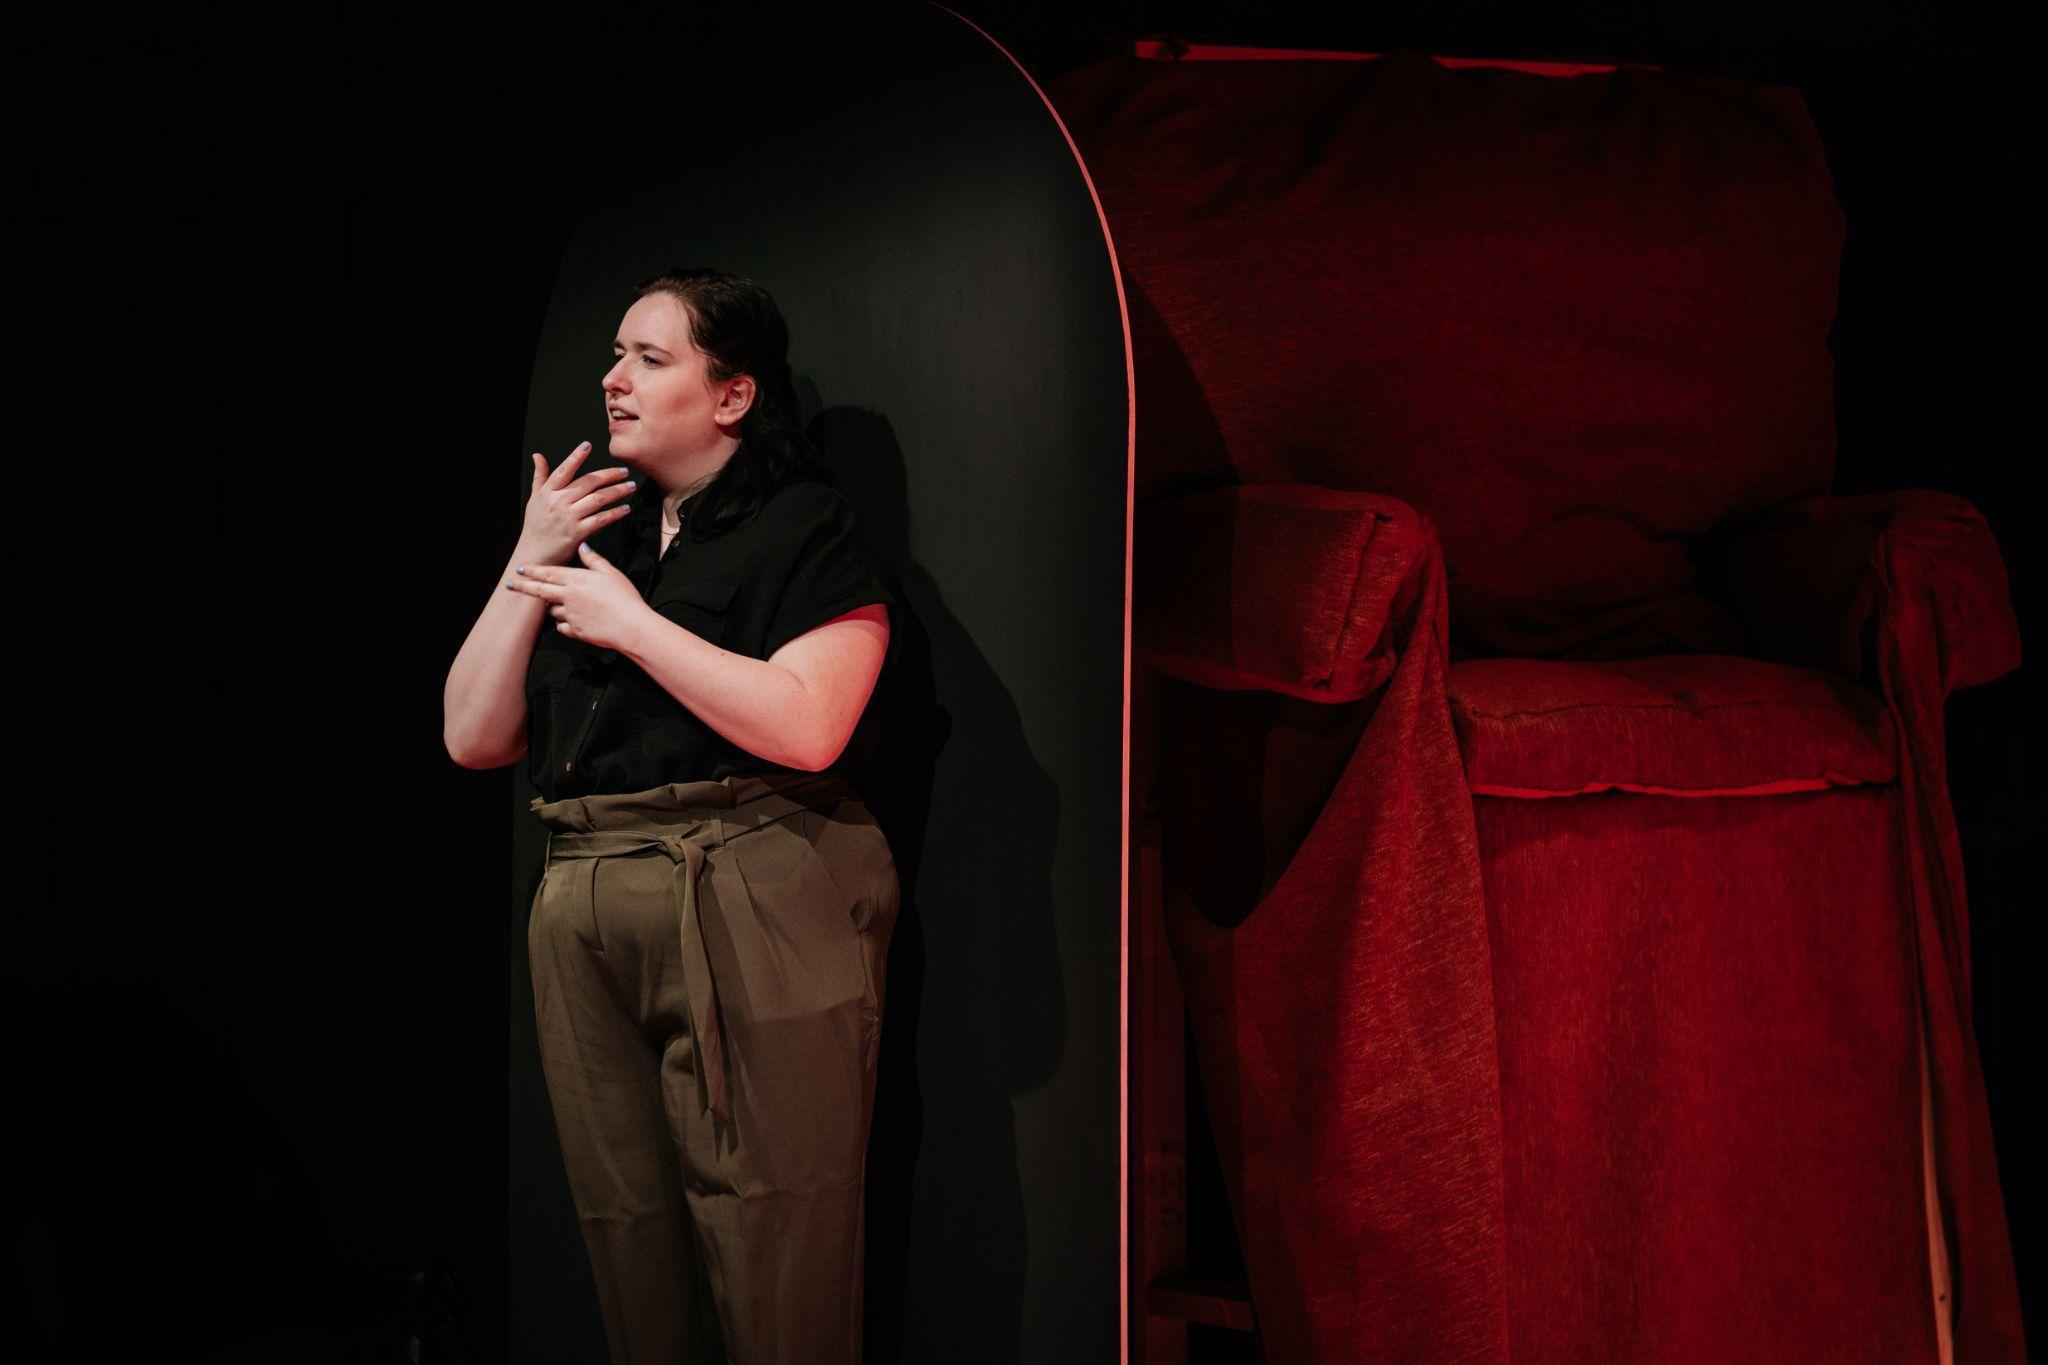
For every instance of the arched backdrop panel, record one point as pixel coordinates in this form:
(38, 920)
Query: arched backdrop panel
(901, 187)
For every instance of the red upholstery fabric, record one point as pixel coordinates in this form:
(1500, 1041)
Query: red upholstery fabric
(1709, 1075)
(1677, 724)
(1613, 1077)
(1290, 576)
(1910, 585)
(1344, 1030)
(1611, 1074)
(1575, 322)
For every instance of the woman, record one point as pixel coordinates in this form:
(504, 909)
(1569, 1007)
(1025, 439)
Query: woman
(709, 936)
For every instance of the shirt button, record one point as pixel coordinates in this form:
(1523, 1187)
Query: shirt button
(570, 764)
(593, 703)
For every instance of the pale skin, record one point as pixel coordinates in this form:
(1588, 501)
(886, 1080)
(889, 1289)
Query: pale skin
(797, 708)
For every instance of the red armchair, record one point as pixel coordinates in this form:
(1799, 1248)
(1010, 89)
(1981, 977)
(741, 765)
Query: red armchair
(1557, 853)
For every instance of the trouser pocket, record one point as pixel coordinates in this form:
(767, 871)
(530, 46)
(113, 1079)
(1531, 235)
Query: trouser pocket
(565, 906)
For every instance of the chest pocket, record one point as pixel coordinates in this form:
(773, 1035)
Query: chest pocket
(700, 606)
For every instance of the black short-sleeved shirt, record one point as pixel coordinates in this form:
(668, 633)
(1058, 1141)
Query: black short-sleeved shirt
(597, 723)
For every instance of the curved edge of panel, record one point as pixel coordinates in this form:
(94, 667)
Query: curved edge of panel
(1123, 1087)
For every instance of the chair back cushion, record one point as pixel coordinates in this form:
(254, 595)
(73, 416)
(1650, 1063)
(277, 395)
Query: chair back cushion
(1574, 321)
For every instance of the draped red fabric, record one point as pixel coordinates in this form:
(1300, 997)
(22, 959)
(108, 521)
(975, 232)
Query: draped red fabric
(1929, 611)
(1346, 1028)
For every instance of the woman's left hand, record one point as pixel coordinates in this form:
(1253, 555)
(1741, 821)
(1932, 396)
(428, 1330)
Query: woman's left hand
(598, 605)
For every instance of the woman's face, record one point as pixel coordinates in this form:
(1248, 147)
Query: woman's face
(666, 418)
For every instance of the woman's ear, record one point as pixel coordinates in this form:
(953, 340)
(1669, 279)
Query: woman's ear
(739, 398)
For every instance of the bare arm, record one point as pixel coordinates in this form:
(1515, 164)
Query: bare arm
(484, 702)
(797, 708)
(483, 705)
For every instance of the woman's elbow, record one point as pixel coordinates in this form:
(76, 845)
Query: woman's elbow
(826, 751)
(483, 760)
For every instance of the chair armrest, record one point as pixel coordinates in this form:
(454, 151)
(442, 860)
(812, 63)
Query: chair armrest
(1286, 588)
(1813, 580)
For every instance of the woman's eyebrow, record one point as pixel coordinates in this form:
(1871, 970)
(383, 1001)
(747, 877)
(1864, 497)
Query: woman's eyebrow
(643, 345)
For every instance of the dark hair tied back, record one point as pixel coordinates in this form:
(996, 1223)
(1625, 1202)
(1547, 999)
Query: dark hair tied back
(736, 324)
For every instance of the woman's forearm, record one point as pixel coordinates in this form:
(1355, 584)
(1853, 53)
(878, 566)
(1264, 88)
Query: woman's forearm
(762, 707)
(484, 703)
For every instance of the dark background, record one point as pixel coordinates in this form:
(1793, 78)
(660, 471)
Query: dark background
(277, 285)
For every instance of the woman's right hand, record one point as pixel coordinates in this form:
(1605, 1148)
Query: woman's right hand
(565, 508)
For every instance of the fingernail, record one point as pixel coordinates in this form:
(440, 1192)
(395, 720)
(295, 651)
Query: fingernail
(520, 569)
(584, 446)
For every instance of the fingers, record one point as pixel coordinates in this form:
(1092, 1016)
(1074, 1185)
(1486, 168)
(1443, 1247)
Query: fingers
(596, 514)
(591, 508)
(529, 579)
(570, 461)
(603, 481)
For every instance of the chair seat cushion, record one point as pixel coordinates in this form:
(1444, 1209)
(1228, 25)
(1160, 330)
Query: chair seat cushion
(1675, 724)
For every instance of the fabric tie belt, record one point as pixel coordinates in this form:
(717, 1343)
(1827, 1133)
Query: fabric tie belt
(764, 801)
(707, 1030)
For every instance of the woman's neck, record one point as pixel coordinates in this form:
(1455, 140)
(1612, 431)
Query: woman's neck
(671, 504)
(672, 499)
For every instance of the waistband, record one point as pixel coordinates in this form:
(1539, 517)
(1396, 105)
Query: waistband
(729, 805)
(682, 820)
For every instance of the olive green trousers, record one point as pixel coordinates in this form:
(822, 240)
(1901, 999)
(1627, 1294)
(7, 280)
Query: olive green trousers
(708, 984)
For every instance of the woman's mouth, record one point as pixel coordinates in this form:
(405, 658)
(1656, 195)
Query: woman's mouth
(618, 422)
